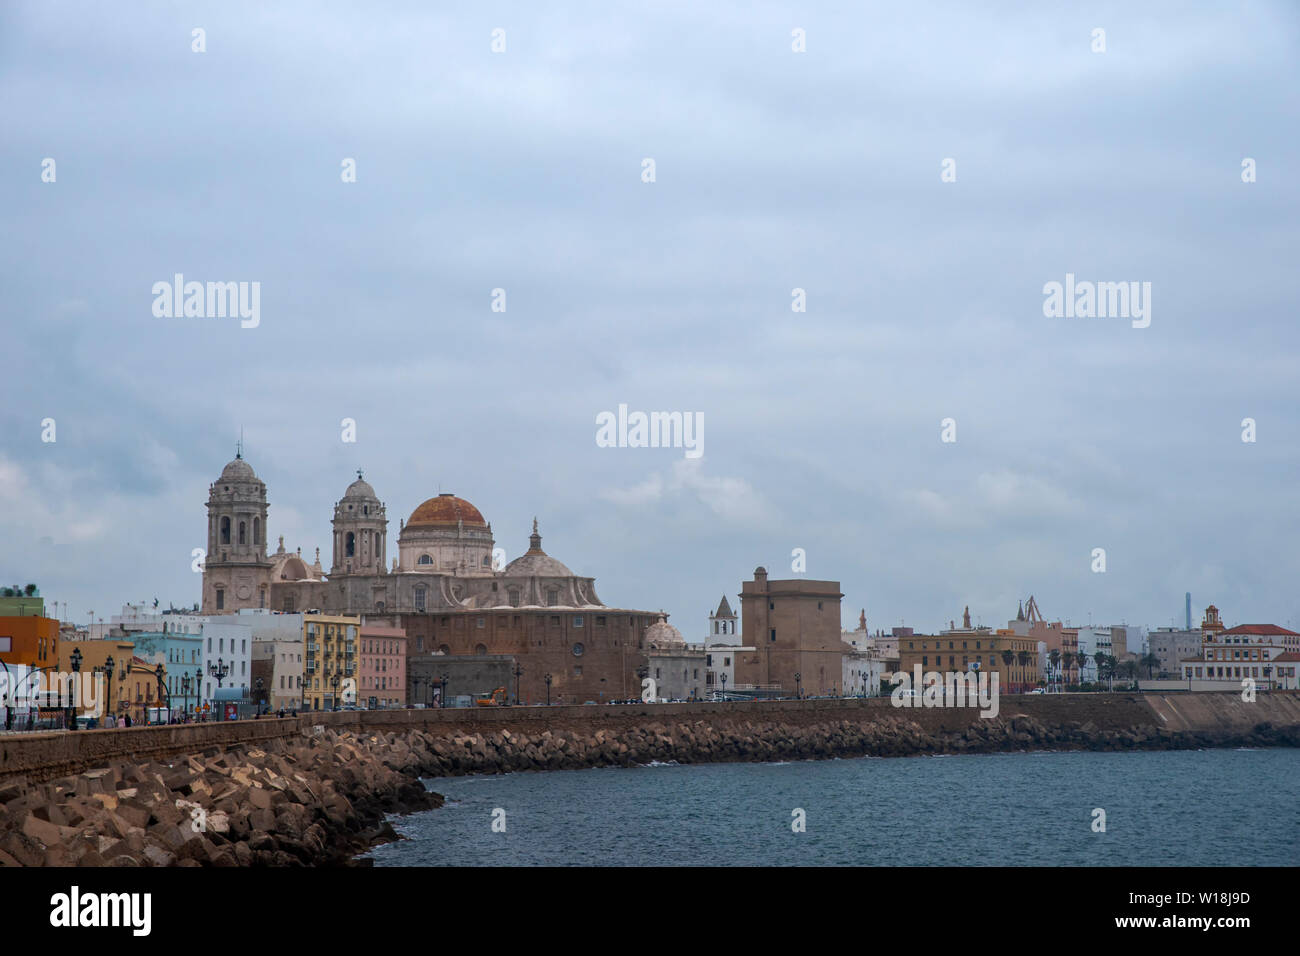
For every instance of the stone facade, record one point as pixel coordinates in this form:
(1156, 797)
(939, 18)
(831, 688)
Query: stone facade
(236, 571)
(449, 589)
(794, 628)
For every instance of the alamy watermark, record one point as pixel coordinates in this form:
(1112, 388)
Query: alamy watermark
(1098, 300)
(212, 300)
(947, 689)
(651, 430)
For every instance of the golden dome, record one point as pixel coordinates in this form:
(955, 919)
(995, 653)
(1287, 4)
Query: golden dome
(445, 511)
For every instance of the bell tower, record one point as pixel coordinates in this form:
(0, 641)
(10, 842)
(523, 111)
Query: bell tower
(236, 571)
(360, 531)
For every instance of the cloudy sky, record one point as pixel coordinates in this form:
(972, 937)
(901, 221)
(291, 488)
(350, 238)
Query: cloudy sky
(774, 170)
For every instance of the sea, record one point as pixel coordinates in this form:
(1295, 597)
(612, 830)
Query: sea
(1151, 808)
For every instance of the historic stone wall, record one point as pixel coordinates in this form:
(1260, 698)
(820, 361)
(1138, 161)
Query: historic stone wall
(49, 755)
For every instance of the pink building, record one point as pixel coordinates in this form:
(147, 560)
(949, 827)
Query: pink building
(381, 677)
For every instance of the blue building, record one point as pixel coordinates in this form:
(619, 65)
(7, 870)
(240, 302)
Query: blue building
(181, 654)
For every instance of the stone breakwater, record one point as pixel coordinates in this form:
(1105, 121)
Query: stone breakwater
(316, 800)
(890, 736)
(303, 794)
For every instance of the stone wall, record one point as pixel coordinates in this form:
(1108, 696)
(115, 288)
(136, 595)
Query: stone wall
(49, 755)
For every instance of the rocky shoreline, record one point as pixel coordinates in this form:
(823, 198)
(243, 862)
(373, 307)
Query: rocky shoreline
(326, 796)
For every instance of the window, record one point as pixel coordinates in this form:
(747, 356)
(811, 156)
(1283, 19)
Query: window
(577, 620)
(479, 622)
(578, 650)
(225, 531)
(350, 545)
(552, 597)
(772, 634)
(600, 620)
(221, 603)
(480, 649)
(419, 599)
(243, 528)
(425, 559)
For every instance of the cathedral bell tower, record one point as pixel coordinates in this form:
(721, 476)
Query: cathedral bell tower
(360, 531)
(236, 572)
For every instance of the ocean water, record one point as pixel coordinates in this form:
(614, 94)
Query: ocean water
(1189, 808)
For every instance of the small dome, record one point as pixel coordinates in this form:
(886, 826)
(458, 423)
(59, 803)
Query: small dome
(359, 489)
(446, 511)
(532, 565)
(661, 632)
(238, 470)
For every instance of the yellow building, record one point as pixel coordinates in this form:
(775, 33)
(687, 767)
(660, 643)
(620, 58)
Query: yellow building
(1012, 657)
(329, 660)
(94, 656)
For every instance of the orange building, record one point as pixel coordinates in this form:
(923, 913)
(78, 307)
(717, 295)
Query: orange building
(30, 639)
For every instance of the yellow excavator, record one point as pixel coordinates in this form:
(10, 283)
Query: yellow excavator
(496, 698)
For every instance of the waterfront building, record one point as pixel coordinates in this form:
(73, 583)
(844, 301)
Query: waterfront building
(1171, 646)
(794, 628)
(678, 669)
(1053, 636)
(1229, 655)
(1012, 656)
(181, 655)
(449, 588)
(381, 681)
(330, 660)
(27, 636)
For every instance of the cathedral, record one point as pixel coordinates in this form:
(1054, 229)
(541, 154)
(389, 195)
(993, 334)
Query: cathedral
(449, 587)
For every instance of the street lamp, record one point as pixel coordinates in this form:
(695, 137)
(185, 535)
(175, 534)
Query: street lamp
(442, 694)
(519, 669)
(198, 691)
(185, 693)
(259, 684)
(415, 689)
(160, 672)
(724, 685)
(798, 686)
(548, 679)
(334, 681)
(108, 671)
(72, 701)
(219, 670)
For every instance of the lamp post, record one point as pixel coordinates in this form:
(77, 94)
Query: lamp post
(72, 701)
(259, 682)
(519, 669)
(108, 672)
(198, 691)
(220, 670)
(415, 689)
(724, 685)
(442, 693)
(185, 694)
(548, 679)
(161, 673)
(334, 682)
(798, 686)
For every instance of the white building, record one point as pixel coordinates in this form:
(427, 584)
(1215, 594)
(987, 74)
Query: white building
(1265, 653)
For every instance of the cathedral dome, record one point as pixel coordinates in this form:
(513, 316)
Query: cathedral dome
(661, 633)
(238, 470)
(537, 566)
(536, 563)
(359, 489)
(446, 511)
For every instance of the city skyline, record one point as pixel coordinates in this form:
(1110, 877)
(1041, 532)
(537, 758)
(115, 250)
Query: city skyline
(775, 171)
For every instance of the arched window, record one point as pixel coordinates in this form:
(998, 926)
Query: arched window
(514, 596)
(257, 531)
(425, 559)
(419, 599)
(552, 597)
(480, 650)
(350, 548)
(225, 531)
(243, 533)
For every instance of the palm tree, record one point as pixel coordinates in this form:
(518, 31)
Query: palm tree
(1055, 657)
(1024, 657)
(1151, 662)
(1100, 658)
(1007, 657)
(1067, 661)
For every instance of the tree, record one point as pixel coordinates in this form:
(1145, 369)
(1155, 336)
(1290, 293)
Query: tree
(1067, 661)
(1055, 657)
(1007, 657)
(1100, 658)
(30, 590)
(1150, 662)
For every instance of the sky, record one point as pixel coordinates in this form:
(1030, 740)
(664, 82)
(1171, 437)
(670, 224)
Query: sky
(774, 170)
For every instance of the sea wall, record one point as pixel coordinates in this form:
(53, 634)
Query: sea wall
(315, 789)
(48, 756)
